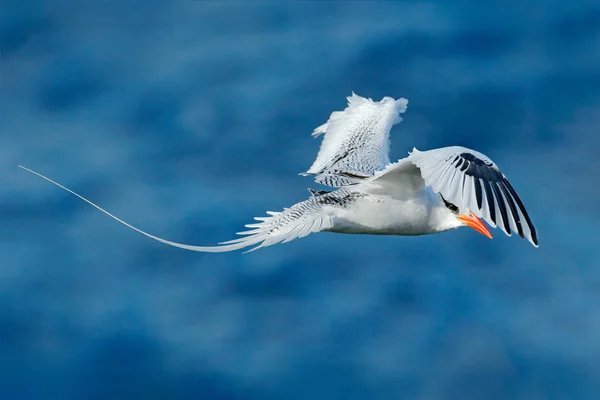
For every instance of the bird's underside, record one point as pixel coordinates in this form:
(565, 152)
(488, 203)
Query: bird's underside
(426, 192)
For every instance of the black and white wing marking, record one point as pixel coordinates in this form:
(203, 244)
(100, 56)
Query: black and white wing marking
(301, 219)
(356, 142)
(471, 181)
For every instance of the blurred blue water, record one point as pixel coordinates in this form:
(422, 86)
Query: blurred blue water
(188, 118)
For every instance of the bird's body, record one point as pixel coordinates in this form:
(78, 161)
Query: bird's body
(378, 214)
(359, 210)
(425, 193)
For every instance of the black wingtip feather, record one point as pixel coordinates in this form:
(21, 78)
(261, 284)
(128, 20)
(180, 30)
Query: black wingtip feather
(502, 207)
(478, 192)
(523, 211)
(490, 197)
(513, 208)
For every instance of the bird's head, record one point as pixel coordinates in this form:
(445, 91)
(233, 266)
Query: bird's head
(460, 219)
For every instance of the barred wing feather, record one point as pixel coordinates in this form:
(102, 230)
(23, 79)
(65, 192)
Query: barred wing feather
(356, 142)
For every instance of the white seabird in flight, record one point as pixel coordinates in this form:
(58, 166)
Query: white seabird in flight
(427, 192)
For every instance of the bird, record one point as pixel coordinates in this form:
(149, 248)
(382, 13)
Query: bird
(426, 192)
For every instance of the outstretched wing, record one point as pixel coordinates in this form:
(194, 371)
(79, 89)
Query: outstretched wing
(473, 182)
(280, 227)
(356, 142)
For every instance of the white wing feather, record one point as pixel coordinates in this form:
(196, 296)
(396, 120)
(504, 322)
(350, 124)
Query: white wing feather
(473, 182)
(280, 227)
(402, 180)
(356, 142)
(465, 178)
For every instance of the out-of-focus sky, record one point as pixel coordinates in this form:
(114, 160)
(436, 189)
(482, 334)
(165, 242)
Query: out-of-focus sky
(188, 118)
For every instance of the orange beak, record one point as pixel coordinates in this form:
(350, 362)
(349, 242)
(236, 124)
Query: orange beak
(472, 221)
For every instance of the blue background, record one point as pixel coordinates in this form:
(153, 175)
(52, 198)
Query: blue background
(188, 118)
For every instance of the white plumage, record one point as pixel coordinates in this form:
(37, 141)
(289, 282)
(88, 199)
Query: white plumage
(356, 142)
(424, 193)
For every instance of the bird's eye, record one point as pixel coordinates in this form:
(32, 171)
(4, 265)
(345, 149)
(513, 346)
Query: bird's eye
(449, 205)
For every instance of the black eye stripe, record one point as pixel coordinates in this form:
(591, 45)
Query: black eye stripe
(449, 205)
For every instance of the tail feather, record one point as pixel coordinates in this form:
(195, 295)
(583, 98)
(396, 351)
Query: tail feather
(280, 227)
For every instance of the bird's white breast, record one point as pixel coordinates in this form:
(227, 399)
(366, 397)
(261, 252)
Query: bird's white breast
(384, 215)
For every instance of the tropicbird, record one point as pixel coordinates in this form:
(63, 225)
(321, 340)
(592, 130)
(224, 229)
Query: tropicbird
(427, 192)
